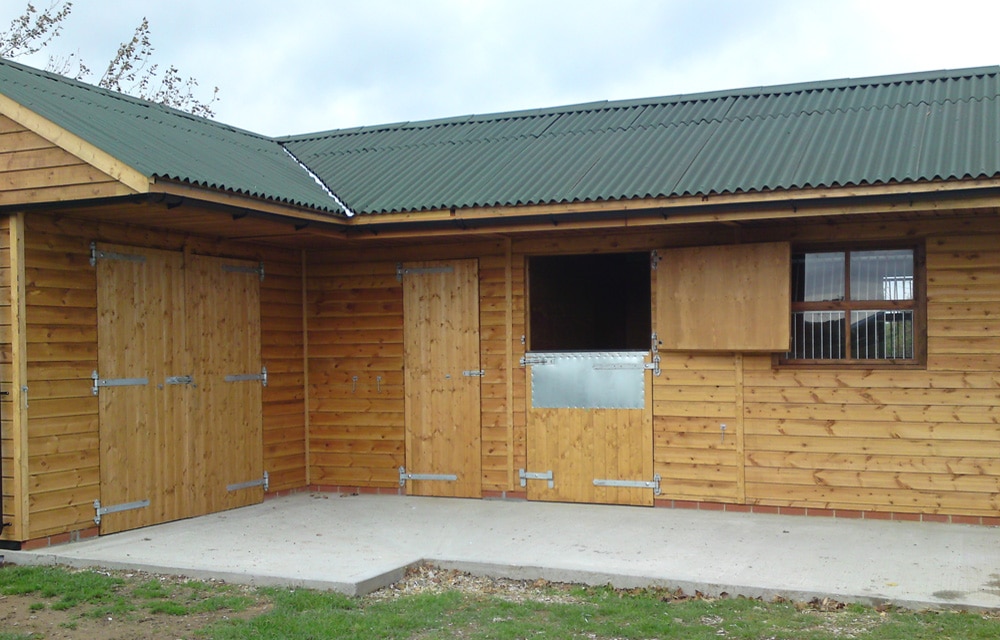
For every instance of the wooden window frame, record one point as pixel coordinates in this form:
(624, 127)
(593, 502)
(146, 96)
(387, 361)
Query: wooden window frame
(918, 305)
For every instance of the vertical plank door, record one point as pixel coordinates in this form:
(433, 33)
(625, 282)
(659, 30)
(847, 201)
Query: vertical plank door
(442, 392)
(581, 445)
(223, 316)
(143, 453)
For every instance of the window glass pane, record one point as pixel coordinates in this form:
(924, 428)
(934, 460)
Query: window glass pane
(818, 277)
(818, 335)
(882, 275)
(883, 335)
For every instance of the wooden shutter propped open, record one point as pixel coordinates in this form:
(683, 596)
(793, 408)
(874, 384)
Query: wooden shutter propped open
(724, 298)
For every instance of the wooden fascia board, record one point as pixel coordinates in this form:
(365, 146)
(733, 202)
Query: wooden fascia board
(75, 145)
(783, 201)
(249, 203)
(637, 218)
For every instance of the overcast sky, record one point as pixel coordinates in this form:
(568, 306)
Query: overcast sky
(297, 66)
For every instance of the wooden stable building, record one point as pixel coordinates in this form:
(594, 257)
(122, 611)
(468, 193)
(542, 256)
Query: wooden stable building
(773, 299)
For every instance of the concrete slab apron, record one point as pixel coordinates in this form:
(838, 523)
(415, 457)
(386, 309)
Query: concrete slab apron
(355, 544)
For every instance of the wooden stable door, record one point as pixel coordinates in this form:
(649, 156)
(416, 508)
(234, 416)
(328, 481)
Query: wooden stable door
(579, 446)
(175, 436)
(442, 378)
(143, 453)
(226, 424)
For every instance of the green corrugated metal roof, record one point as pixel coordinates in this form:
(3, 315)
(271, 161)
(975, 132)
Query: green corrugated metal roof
(166, 143)
(914, 127)
(905, 128)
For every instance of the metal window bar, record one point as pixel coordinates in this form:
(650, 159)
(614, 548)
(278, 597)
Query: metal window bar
(817, 335)
(882, 335)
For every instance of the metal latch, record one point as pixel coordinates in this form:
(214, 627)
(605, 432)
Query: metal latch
(475, 373)
(114, 382)
(243, 377)
(444, 477)
(631, 484)
(654, 348)
(180, 380)
(126, 506)
(536, 475)
(534, 359)
(262, 482)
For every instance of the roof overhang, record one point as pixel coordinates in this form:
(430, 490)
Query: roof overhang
(903, 198)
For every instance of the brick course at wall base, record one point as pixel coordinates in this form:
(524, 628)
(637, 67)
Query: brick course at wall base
(829, 513)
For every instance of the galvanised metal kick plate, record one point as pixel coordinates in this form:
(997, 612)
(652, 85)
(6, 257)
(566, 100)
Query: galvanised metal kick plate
(588, 380)
(441, 477)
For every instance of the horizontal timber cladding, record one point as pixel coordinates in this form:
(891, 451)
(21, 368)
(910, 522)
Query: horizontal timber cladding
(355, 338)
(693, 397)
(901, 440)
(61, 311)
(35, 170)
(923, 441)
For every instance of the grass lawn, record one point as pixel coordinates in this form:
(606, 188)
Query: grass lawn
(42, 602)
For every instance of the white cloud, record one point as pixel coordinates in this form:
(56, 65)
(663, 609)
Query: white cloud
(306, 65)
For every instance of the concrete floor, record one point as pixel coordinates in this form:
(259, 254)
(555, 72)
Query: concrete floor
(356, 544)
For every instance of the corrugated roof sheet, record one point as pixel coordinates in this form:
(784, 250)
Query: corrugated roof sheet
(166, 143)
(914, 127)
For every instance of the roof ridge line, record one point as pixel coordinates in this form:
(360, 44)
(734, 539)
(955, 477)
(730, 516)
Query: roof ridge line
(763, 90)
(134, 100)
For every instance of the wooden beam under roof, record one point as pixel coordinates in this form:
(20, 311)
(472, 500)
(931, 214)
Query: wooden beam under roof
(724, 206)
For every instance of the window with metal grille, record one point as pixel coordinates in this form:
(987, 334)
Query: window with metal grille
(855, 306)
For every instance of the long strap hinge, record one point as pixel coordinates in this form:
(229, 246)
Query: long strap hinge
(631, 484)
(126, 506)
(441, 477)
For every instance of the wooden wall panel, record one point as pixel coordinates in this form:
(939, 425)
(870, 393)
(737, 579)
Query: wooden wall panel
(498, 310)
(693, 396)
(355, 311)
(355, 340)
(62, 353)
(282, 352)
(35, 170)
(922, 441)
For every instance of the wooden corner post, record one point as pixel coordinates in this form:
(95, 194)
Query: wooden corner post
(19, 380)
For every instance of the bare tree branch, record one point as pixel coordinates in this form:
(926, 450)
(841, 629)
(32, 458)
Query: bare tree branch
(31, 31)
(131, 70)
